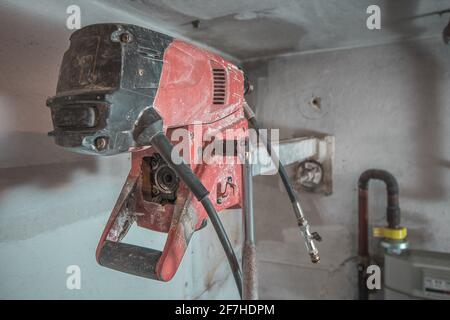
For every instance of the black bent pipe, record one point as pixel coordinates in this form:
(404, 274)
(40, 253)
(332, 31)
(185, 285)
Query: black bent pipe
(392, 216)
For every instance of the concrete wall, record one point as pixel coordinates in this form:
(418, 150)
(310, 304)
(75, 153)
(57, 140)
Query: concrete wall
(389, 108)
(54, 204)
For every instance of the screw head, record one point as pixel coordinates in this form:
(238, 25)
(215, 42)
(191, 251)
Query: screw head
(101, 143)
(125, 37)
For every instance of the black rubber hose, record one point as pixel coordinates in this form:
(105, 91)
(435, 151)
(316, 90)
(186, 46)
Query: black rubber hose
(281, 171)
(149, 131)
(162, 144)
(226, 244)
(301, 220)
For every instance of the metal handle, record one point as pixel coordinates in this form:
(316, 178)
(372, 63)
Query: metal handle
(124, 257)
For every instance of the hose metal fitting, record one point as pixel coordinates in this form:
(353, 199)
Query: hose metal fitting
(308, 236)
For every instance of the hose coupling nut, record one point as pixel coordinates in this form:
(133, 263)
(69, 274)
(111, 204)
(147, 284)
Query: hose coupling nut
(302, 222)
(314, 257)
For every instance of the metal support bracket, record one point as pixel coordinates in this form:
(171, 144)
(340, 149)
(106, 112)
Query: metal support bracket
(296, 151)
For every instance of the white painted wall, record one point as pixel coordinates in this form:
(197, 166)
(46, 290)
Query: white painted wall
(54, 204)
(389, 108)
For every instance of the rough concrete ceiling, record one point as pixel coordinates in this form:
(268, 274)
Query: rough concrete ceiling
(252, 29)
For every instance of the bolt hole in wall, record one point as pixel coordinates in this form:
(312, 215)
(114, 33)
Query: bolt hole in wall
(316, 102)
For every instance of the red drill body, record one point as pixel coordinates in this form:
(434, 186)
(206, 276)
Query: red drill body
(203, 94)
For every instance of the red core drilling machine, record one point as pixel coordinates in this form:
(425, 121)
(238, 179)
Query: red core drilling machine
(123, 88)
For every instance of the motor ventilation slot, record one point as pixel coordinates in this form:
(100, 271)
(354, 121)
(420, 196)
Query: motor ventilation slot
(219, 85)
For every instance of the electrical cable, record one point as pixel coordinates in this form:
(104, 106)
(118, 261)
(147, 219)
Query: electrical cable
(148, 130)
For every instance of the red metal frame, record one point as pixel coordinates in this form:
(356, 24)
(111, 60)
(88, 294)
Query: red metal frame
(185, 99)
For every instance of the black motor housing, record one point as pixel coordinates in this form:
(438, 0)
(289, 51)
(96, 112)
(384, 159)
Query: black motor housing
(108, 76)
